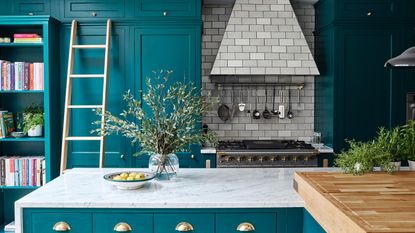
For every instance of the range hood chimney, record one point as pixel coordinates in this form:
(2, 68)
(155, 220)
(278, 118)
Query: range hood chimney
(263, 37)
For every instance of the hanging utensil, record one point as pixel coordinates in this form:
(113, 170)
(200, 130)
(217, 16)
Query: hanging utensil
(266, 114)
(241, 101)
(256, 114)
(234, 105)
(290, 114)
(249, 99)
(274, 110)
(223, 109)
(281, 107)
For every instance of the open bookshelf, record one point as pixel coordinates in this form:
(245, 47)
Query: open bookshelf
(16, 101)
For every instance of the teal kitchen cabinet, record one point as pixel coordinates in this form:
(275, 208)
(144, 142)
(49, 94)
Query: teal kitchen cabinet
(94, 8)
(32, 7)
(106, 222)
(168, 8)
(353, 93)
(201, 222)
(262, 222)
(44, 222)
(89, 91)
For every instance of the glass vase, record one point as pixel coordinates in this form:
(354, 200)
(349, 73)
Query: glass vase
(165, 166)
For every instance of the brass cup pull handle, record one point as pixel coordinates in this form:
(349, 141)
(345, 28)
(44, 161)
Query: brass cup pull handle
(245, 226)
(184, 226)
(369, 13)
(122, 227)
(61, 227)
(94, 14)
(165, 13)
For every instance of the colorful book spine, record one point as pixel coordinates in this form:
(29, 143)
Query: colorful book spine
(26, 35)
(31, 77)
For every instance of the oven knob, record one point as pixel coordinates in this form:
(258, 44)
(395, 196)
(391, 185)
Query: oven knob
(238, 159)
(243, 158)
(283, 158)
(275, 158)
(306, 158)
(265, 159)
(295, 158)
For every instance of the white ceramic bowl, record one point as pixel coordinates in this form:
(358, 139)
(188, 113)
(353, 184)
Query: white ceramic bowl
(129, 184)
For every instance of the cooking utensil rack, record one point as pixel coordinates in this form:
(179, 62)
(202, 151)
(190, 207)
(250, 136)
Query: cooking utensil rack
(299, 86)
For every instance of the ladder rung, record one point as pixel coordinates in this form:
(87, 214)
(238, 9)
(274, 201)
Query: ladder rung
(83, 138)
(87, 76)
(89, 46)
(84, 106)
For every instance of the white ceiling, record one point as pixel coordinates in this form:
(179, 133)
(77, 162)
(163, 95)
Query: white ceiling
(231, 2)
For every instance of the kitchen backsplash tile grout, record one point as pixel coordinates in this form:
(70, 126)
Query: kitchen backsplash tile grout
(242, 126)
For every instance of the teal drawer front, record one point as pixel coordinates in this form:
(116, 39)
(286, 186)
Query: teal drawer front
(44, 222)
(167, 8)
(34, 7)
(368, 8)
(139, 223)
(94, 9)
(262, 222)
(201, 223)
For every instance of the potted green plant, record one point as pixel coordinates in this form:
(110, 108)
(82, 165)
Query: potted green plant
(408, 143)
(33, 121)
(166, 122)
(358, 159)
(387, 151)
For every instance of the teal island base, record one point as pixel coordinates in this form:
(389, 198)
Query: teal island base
(264, 220)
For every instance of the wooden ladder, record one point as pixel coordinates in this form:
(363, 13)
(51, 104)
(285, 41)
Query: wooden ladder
(68, 97)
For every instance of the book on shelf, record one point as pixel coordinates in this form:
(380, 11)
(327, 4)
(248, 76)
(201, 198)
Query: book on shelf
(22, 171)
(27, 38)
(6, 123)
(21, 76)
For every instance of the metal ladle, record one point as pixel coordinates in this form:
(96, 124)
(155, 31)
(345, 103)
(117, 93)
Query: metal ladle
(256, 114)
(266, 114)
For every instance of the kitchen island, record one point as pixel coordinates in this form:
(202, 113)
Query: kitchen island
(372, 203)
(211, 200)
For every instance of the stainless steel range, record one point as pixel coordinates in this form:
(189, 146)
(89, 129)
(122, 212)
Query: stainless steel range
(266, 153)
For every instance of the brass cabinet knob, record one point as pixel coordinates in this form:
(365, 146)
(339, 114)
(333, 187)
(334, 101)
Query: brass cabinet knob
(184, 226)
(61, 227)
(369, 13)
(94, 13)
(245, 226)
(192, 156)
(122, 227)
(31, 14)
(165, 13)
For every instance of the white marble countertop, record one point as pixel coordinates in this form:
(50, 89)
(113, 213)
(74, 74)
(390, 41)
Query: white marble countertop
(193, 188)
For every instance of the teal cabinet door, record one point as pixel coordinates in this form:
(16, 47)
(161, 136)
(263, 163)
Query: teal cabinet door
(167, 223)
(94, 8)
(262, 222)
(175, 48)
(89, 91)
(167, 8)
(369, 9)
(365, 92)
(44, 222)
(106, 222)
(31, 7)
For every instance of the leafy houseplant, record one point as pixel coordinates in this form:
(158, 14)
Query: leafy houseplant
(33, 121)
(359, 159)
(408, 143)
(168, 121)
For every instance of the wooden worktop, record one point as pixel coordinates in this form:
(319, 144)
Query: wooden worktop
(372, 203)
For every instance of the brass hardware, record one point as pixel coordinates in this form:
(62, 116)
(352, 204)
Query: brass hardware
(31, 14)
(245, 226)
(184, 226)
(192, 156)
(369, 13)
(164, 13)
(122, 156)
(122, 227)
(294, 158)
(94, 13)
(306, 158)
(284, 158)
(61, 227)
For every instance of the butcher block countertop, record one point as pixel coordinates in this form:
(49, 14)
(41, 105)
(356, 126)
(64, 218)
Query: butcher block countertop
(372, 203)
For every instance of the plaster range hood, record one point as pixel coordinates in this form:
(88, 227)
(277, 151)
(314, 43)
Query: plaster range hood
(263, 37)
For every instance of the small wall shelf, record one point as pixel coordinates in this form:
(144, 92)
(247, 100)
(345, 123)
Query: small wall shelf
(21, 44)
(299, 85)
(24, 139)
(22, 92)
(19, 187)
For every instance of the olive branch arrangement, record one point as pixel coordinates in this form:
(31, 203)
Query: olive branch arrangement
(166, 121)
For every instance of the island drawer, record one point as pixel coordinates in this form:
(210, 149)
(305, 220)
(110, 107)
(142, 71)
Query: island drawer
(109, 222)
(47, 222)
(200, 223)
(237, 222)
